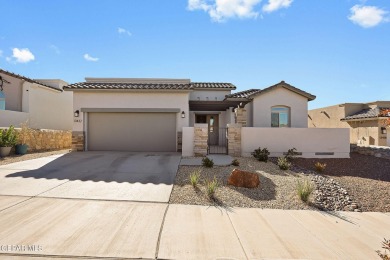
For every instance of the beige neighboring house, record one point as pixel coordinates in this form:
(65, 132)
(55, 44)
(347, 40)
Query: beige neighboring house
(363, 120)
(40, 102)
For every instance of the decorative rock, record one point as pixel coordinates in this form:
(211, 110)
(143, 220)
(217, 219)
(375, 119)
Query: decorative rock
(330, 195)
(244, 179)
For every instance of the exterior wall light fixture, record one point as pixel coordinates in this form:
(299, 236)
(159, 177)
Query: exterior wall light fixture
(76, 113)
(183, 114)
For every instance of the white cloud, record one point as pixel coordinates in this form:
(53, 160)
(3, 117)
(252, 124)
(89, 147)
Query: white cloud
(221, 10)
(90, 58)
(367, 16)
(274, 5)
(55, 48)
(123, 31)
(21, 55)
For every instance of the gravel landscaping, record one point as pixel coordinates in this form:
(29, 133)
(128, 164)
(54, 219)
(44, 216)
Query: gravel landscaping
(366, 178)
(277, 188)
(18, 158)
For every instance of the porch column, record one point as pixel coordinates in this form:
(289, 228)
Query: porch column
(78, 141)
(241, 116)
(200, 139)
(234, 140)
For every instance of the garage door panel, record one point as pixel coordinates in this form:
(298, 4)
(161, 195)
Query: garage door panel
(136, 132)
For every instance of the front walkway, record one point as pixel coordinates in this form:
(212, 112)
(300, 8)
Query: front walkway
(122, 229)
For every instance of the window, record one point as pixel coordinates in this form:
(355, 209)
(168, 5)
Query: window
(2, 101)
(280, 117)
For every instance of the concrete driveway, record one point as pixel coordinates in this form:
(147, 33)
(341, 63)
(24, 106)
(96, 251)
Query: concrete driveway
(93, 175)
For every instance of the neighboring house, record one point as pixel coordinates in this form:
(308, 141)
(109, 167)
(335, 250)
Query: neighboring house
(168, 115)
(40, 102)
(363, 119)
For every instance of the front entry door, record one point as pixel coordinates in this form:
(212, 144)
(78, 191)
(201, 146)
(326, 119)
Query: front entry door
(213, 122)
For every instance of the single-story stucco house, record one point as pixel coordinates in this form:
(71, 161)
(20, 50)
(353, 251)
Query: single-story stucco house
(196, 118)
(364, 120)
(41, 103)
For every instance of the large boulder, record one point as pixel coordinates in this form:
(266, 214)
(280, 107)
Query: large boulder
(244, 179)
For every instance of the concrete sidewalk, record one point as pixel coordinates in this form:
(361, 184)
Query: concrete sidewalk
(118, 229)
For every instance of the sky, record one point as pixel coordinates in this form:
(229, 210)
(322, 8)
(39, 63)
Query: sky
(338, 50)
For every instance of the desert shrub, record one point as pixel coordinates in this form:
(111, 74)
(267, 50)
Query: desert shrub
(261, 154)
(283, 163)
(320, 167)
(206, 162)
(304, 189)
(8, 137)
(194, 177)
(211, 187)
(291, 154)
(235, 162)
(385, 246)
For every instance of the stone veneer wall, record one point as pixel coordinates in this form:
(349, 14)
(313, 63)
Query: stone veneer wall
(241, 116)
(377, 151)
(78, 141)
(234, 139)
(179, 141)
(200, 139)
(45, 139)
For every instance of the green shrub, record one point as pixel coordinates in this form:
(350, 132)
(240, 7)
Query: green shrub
(235, 162)
(320, 167)
(211, 187)
(386, 247)
(291, 154)
(283, 163)
(261, 154)
(206, 162)
(8, 137)
(194, 177)
(304, 189)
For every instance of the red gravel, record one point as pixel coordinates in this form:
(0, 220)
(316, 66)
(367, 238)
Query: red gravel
(367, 178)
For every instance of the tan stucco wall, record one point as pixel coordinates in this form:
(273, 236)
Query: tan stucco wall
(308, 141)
(44, 108)
(50, 109)
(13, 92)
(327, 117)
(367, 132)
(130, 99)
(263, 103)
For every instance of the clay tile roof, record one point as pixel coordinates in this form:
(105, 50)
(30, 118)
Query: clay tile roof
(365, 113)
(208, 85)
(148, 86)
(243, 94)
(11, 74)
(253, 92)
(134, 86)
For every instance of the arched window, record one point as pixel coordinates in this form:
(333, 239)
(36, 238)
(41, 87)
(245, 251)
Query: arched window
(280, 116)
(2, 101)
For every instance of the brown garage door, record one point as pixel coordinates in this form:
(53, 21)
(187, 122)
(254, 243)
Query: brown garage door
(135, 132)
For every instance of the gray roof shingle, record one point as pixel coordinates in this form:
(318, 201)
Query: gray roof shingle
(11, 74)
(365, 113)
(148, 86)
